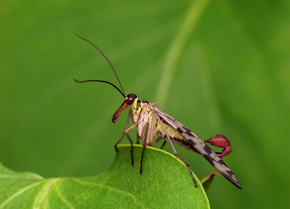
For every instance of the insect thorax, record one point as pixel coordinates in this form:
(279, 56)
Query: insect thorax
(148, 122)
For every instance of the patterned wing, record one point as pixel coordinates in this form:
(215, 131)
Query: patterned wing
(199, 146)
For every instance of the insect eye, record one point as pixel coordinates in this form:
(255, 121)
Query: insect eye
(131, 99)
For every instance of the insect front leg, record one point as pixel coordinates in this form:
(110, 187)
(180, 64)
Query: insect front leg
(126, 127)
(128, 136)
(220, 141)
(175, 152)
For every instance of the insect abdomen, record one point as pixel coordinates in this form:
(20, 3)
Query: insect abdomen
(174, 136)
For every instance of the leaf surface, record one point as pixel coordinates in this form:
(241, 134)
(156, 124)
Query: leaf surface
(165, 183)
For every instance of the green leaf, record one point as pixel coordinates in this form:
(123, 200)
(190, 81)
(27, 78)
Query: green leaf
(207, 181)
(166, 183)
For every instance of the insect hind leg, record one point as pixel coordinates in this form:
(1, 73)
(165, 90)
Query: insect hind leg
(175, 152)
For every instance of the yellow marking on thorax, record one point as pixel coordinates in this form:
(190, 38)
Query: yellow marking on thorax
(170, 131)
(137, 109)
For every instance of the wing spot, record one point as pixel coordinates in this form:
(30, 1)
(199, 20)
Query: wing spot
(189, 133)
(179, 130)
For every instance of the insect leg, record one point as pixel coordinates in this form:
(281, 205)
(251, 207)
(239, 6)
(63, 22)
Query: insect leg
(157, 140)
(162, 146)
(126, 127)
(141, 163)
(175, 152)
(131, 142)
(137, 140)
(128, 136)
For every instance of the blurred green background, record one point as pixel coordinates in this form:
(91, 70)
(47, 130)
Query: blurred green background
(219, 67)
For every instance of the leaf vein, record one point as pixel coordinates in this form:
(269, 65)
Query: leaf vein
(43, 193)
(17, 194)
(112, 189)
(62, 197)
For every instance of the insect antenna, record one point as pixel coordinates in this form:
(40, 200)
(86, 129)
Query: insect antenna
(102, 82)
(123, 92)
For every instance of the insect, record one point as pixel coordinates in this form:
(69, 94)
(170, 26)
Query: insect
(154, 124)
